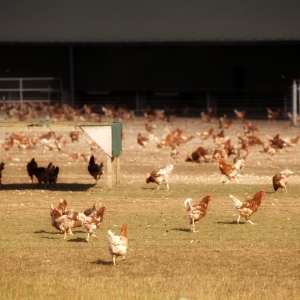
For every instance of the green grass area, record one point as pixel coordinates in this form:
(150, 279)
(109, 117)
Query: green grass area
(165, 260)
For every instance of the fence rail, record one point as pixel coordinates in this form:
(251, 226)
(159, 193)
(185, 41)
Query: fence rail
(29, 89)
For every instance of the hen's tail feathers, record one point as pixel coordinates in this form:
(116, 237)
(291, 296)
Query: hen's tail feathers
(287, 172)
(236, 202)
(110, 234)
(167, 170)
(81, 217)
(113, 239)
(188, 203)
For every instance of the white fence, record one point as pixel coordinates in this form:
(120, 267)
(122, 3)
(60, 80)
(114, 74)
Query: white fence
(39, 89)
(296, 99)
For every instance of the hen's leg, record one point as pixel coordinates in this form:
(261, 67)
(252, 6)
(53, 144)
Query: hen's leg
(238, 220)
(250, 222)
(167, 186)
(88, 237)
(114, 260)
(193, 226)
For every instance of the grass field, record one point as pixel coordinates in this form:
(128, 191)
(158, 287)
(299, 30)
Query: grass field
(165, 260)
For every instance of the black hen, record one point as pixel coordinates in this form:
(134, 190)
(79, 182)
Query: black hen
(30, 168)
(1, 168)
(42, 174)
(94, 169)
(53, 173)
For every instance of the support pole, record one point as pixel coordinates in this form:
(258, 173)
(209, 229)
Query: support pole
(207, 101)
(118, 163)
(4, 109)
(72, 84)
(110, 171)
(299, 96)
(21, 93)
(294, 112)
(284, 107)
(137, 103)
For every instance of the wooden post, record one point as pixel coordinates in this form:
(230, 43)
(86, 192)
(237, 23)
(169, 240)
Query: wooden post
(110, 171)
(118, 163)
(109, 167)
(21, 93)
(294, 112)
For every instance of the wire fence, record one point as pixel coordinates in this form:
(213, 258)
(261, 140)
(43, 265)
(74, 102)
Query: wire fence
(191, 104)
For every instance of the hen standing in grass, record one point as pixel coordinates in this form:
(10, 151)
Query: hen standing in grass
(230, 171)
(143, 140)
(197, 211)
(94, 169)
(118, 244)
(53, 173)
(281, 179)
(248, 207)
(42, 174)
(30, 168)
(161, 176)
(93, 222)
(64, 221)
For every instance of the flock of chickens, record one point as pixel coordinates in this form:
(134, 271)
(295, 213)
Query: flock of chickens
(201, 155)
(245, 208)
(197, 211)
(91, 219)
(49, 174)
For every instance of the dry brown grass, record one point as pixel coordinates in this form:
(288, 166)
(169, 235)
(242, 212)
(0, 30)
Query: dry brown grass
(165, 260)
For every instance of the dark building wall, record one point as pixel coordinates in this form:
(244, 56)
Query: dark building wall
(186, 68)
(35, 61)
(160, 68)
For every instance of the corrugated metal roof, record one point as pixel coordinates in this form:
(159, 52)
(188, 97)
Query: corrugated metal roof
(70, 21)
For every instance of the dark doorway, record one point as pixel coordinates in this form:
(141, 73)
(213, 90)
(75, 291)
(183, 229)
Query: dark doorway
(238, 73)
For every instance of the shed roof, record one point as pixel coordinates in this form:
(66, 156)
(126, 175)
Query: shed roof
(98, 21)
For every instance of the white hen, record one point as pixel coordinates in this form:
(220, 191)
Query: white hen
(118, 244)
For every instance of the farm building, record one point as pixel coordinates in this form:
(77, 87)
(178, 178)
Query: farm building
(184, 56)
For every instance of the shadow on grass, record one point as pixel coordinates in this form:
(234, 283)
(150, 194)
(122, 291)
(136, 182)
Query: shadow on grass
(181, 229)
(59, 235)
(80, 187)
(102, 262)
(231, 223)
(77, 240)
(43, 231)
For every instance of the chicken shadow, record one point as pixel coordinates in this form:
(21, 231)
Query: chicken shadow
(77, 240)
(43, 231)
(60, 236)
(80, 187)
(181, 229)
(53, 235)
(102, 262)
(231, 223)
